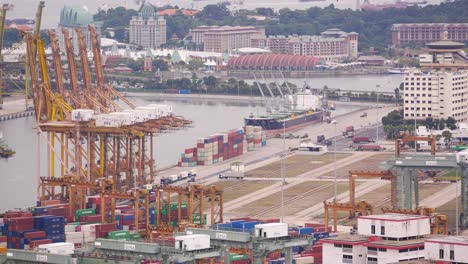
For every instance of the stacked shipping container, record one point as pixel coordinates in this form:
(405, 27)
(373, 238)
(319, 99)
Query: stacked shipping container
(224, 146)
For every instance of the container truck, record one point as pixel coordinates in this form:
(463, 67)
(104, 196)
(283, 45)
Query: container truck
(349, 131)
(358, 140)
(183, 175)
(237, 172)
(369, 148)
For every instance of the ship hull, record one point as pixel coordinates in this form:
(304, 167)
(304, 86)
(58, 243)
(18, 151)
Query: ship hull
(274, 126)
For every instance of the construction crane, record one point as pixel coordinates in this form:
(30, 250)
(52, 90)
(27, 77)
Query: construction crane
(439, 222)
(406, 139)
(385, 175)
(362, 207)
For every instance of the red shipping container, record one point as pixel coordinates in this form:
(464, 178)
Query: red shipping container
(106, 227)
(34, 244)
(91, 218)
(273, 220)
(36, 234)
(3, 239)
(200, 145)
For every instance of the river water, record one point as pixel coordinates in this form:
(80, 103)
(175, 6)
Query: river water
(18, 175)
(51, 12)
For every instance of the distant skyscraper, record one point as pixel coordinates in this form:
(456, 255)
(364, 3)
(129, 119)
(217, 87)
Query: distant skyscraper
(148, 29)
(72, 17)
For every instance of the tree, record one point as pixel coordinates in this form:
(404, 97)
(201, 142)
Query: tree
(451, 123)
(160, 64)
(447, 137)
(135, 65)
(11, 36)
(214, 12)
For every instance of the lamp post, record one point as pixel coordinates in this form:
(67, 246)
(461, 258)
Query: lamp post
(334, 162)
(283, 172)
(377, 132)
(415, 143)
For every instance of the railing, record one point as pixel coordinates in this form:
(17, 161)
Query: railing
(347, 261)
(372, 252)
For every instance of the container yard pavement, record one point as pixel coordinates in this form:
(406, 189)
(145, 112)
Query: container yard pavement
(271, 152)
(13, 105)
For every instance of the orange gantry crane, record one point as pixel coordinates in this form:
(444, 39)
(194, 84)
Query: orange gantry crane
(385, 175)
(439, 222)
(407, 139)
(362, 207)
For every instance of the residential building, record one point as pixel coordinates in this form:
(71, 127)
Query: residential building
(72, 17)
(148, 30)
(332, 44)
(447, 249)
(439, 89)
(428, 32)
(380, 239)
(226, 38)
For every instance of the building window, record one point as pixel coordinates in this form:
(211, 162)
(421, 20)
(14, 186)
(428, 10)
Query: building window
(441, 253)
(372, 259)
(372, 229)
(382, 249)
(452, 254)
(382, 230)
(338, 245)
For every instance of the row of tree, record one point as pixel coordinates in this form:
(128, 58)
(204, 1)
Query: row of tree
(395, 124)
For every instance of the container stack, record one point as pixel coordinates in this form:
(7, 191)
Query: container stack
(224, 146)
(52, 207)
(54, 227)
(255, 137)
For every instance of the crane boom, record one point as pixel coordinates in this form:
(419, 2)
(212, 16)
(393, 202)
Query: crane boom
(84, 61)
(56, 61)
(71, 64)
(97, 58)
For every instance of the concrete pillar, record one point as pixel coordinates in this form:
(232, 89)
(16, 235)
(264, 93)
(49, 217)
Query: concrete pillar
(407, 189)
(287, 255)
(464, 197)
(416, 191)
(225, 254)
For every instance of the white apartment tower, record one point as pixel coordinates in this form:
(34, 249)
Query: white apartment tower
(440, 88)
(148, 29)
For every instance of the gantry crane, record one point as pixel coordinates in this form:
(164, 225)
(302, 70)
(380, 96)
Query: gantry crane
(385, 175)
(406, 139)
(439, 222)
(362, 207)
(87, 153)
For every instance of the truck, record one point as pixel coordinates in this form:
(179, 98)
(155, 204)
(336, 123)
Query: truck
(191, 175)
(349, 131)
(369, 148)
(358, 140)
(322, 140)
(364, 114)
(237, 172)
(183, 175)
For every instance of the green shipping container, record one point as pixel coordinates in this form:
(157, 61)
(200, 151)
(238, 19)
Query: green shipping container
(238, 257)
(135, 237)
(84, 212)
(196, 218)
(121, 234)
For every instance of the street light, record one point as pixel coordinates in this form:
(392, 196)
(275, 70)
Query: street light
(415, 143)
(334, 162)
(377, 139)
(283, 172)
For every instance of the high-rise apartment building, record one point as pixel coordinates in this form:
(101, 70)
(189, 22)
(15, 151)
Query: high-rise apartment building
(148, 30)
(440, 88)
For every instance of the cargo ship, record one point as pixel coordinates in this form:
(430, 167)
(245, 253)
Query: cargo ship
(306, 109)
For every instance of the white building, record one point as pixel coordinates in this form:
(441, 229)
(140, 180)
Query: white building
(148, 29)
(381, 239)
(450, 249)
(440, 88)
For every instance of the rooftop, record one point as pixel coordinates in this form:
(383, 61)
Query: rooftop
(394, 217)
(445, 44)
(459, 240)
(346, 238)
(396, 243)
